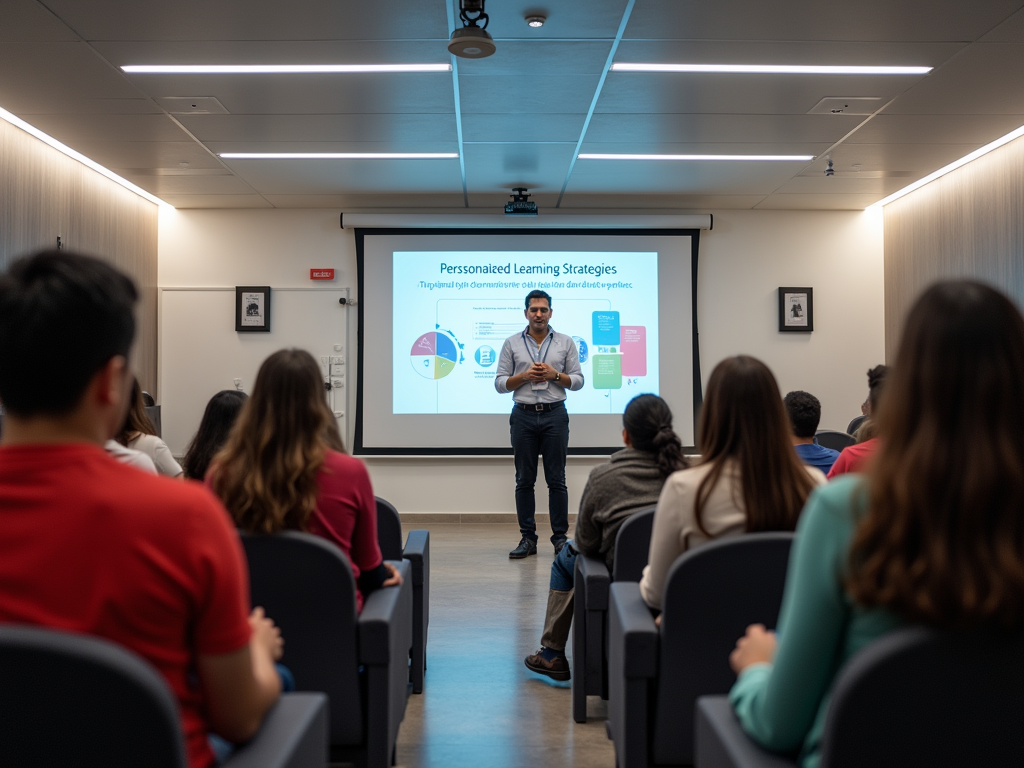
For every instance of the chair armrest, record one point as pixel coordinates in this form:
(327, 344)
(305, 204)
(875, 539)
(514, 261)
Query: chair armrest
(721, 742)
(636, 634)
(594, 579)
(293, 735)
(383, 613)
(417, 552)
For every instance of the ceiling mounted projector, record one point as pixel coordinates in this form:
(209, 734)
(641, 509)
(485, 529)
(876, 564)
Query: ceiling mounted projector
(520, 204)
(472, 41)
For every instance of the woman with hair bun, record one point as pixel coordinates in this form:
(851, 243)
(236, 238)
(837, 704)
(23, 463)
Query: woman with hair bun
(631, 480)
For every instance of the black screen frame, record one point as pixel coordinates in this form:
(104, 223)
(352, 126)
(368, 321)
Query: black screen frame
(358, 449)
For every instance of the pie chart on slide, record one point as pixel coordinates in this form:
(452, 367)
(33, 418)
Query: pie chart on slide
(434, 355)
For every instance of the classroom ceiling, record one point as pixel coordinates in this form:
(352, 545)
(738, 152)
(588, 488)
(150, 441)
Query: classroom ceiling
(520, 117)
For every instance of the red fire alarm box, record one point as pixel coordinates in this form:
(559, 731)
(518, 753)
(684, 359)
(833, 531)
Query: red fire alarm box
(321, 274)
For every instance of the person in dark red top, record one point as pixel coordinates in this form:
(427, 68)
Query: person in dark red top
(854, 458)
(284, 467)
(90, 545)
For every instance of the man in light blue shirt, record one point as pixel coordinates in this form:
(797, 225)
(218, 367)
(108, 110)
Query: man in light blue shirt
(538, 365)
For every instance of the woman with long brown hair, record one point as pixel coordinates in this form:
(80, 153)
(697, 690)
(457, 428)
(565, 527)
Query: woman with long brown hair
(749, 477)
(138, 434)
(284, 468)
(932, 534)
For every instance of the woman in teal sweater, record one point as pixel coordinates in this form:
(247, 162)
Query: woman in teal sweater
(933, 533)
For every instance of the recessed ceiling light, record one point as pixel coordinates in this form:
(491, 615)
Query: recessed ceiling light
(754, 158)
(64, 149)
(951, 167)
(774, 69)
(337, 155)
(535, 20)
(251, 69)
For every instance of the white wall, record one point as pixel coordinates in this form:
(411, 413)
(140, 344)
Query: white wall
(747, 256)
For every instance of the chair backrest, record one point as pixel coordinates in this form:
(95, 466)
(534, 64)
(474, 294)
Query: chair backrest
(854, 425)
(712, 594)
(928, 698)
(632, 546)
(834, 440)
(70, 699)
(389, 530)
(305, 585)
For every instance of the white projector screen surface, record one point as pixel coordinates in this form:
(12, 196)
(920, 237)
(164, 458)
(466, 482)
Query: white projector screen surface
(437, 308)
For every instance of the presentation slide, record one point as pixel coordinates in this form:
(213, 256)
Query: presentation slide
(453, 311)
(436, 306)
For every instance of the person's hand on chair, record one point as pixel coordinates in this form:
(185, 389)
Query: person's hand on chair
(755, 647)
(394, 578)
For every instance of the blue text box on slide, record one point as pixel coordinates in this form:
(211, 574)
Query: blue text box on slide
(606, 328)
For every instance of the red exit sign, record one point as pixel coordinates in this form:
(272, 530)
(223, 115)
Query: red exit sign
(321, 274)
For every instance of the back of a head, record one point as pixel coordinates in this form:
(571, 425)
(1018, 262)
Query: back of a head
(267, 470)
(743, 420)
(943, 540)
(804, 411)
(648, 422)
(876, 378)
(58, 300)
(219, 417)
(136, 421)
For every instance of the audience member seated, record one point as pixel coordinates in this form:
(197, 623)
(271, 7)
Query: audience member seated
(130, 457)
(138, 434)
(855, 457)
(932, 534)
(804, 411)
(284, 467)
(219, 417)
(89, 545)
(749, 478)
(631, 480)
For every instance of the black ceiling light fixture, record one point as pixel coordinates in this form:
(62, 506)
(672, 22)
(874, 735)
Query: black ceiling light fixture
(472, 41)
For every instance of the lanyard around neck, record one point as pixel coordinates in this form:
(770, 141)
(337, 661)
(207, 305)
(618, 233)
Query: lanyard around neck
(529, 349)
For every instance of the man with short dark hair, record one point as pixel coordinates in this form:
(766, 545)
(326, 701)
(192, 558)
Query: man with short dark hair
(804, 411)
(90, 545)
(538, 365)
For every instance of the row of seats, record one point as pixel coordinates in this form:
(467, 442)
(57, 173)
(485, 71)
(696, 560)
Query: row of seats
(353, 672)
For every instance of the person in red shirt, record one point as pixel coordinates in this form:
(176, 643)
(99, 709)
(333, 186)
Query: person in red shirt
(854, 458)
(93, 546)
(284, 467)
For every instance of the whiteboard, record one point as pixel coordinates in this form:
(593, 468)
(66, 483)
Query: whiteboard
(201, 353)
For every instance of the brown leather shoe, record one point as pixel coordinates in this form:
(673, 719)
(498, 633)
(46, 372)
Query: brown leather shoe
(556, 669)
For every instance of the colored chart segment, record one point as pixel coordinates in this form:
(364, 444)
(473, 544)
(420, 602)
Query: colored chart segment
(434, 355)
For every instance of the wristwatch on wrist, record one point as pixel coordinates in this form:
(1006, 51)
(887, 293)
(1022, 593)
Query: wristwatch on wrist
(556, 376)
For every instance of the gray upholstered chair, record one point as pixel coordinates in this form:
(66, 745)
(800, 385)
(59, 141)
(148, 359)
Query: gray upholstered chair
(590, 607)
(417, 551)
(830, 438)
(361, 662)
(913, 697)
(72, 699)
(712, 593)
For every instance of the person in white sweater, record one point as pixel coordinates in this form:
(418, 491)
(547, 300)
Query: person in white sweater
(749, 478)
(139, 434)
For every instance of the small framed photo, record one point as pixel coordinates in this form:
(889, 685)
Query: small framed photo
(252, 308)
(796, 310)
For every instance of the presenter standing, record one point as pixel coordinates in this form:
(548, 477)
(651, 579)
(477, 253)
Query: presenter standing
(538, 366)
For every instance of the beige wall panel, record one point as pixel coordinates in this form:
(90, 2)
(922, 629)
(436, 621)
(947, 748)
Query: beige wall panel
(45, 194)
(969, 223)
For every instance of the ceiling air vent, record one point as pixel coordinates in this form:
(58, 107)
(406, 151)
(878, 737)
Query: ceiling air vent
(854, 105)
(192, 105)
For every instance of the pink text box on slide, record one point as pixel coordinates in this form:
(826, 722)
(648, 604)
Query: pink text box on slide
(634, 350)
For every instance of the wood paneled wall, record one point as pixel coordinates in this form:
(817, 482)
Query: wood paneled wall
(44, 193)
(969, 223)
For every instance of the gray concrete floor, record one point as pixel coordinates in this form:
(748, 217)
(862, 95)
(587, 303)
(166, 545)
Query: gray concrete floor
(480, 706)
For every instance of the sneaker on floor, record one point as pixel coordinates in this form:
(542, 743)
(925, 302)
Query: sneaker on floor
(526, 547)
(559, 543)
(548, 662)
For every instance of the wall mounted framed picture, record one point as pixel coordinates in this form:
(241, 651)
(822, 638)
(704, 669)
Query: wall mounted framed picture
(796, 310)
(252, 308)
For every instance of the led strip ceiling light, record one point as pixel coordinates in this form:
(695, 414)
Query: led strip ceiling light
(772, 69)
(250, 69)
(754, 158)
(951, 167)
(337, 155)
(64, 149)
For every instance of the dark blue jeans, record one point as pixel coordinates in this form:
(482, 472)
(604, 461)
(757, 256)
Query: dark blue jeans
(536, 433)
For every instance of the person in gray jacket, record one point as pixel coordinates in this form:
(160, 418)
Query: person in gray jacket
(631, 480)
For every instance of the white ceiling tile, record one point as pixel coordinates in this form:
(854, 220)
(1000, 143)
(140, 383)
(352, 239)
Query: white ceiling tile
(519, 128)
(333, 177)
(576, 19)
(935, 129)
(639, 128)
(681, 177)
(46, 103)
(191, 185)
(216, 201)
(364, 202)
(148, 154)
(46, 73)
(820, 184)
(1010, 31)
(818, 202)
(30, 21)
(527, 60)
(908, 20)
(508, 94)
(670, 203)
(72, 129)
(499, 167)
(387, 130)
